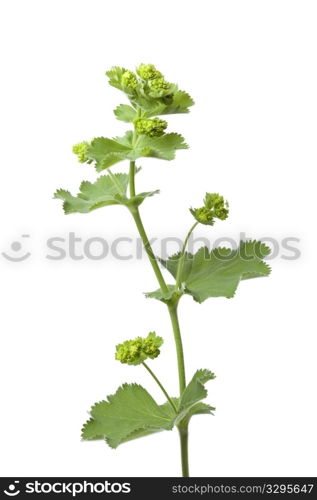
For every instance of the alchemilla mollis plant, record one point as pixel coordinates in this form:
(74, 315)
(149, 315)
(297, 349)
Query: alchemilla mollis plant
(131, 412)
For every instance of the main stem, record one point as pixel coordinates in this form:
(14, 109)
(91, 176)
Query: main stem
(172, 309)
(183, 435)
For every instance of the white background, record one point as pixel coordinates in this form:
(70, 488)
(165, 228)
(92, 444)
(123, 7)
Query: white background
(251, 67)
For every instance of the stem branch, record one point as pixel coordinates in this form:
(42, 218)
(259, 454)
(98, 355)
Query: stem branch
(169, 399)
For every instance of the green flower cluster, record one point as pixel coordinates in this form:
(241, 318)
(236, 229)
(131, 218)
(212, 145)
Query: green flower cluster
(129, 80)
(146, 87)
(215, 207)
(134, 352)
(80, 150)
(148, 72)
(151, 127)
(154, 85)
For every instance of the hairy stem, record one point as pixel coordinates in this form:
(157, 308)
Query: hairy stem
(169, 399)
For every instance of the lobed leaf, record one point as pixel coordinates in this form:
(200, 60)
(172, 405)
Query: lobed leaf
(136, 200)
(195, 390)
(131, 412)
(163, 147)
(107, 152)
(180, 104)
(187, 412)
(105, 191)
(164, 297)
(219, 272)
(125, 113)
(115, 76)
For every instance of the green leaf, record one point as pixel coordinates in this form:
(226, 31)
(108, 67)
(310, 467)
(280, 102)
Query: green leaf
(195, 390)
(200, 409)
(126, 140)
(171, 264)
(115, 76)
(168, 410)
(172, 293)
(130, 411)
(125, 113)
(180, 104)
(136, 200)
(218, 273)
(163, 147)
(189, 411)
(106, 152)
(134, 435)
(105, 191)
(150, 106)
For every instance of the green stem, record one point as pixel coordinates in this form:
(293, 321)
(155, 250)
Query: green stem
(172, 308)
(183, 434)
(183, 426)
(136, 216)
(169, 399)
(132, 178)
(182, 256)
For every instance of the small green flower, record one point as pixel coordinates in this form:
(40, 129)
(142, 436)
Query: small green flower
(134, 352)
(129, 80)
(148, 72)
(151, 127)
(80, 150)
(215, 207)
